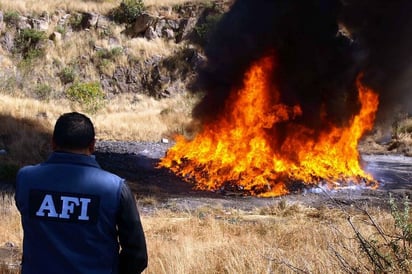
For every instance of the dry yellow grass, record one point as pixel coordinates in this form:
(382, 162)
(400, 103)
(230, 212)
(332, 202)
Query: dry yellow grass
(10, 235)
(142, 48)
(137, 117)
(5, 60)
(214, 239)
(25, 6)
(168, 3)
(404, 130)
(99, 6)
(405, 138)
(10, 228)
(25, 128)
(125, 117)
(217, 240)
(26, 124)
(77, 44)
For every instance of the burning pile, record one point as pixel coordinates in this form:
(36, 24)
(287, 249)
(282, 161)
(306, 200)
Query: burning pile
(288, 95)
(239, 149)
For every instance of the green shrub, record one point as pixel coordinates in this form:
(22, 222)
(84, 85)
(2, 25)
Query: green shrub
(128, 11)
(402, 126)
(205, 29)
(9, 85)
(67, 75)
(405, 126)
(89, 95)
(43, 91)
(28, 42)
(106, 32)
(388, 252)
(61, 29)
(76, 21)
(105, 57)
(403, 223)
(110, 54)
(11, 18)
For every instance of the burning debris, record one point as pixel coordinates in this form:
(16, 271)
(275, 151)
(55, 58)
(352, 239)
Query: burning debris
(285, 106)
(242, 146)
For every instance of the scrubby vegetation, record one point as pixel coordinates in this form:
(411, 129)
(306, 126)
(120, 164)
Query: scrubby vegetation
(128, 11)
(89, 95)
(26, 123)
(122, 82)
(44, 76)
(280, 237)
(28, 44)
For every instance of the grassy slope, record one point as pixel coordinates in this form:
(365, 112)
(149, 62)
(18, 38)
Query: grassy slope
(26, 119)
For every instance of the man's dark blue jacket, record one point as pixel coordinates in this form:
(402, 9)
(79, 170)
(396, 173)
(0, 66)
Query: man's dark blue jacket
(74, 215)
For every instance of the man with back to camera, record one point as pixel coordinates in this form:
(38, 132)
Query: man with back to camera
(74, 214)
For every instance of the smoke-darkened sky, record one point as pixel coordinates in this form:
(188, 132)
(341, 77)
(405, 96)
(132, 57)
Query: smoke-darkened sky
(383, 31)
(316, 67)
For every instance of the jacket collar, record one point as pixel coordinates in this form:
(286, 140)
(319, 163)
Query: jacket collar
(59, 157)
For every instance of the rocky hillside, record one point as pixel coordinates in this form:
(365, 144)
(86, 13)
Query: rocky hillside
(132, 48)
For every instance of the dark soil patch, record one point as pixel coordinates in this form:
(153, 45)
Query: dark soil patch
(137, 162)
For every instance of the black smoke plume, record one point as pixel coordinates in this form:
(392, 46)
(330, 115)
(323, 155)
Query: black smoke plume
(383, 31)
(317, 65)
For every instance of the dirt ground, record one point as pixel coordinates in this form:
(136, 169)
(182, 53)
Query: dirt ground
(137, 163)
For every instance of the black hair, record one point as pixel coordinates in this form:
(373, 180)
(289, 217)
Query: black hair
(73, 131)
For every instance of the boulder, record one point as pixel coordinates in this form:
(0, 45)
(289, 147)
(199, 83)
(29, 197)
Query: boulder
(103, 22)
(186, 29)
(90, 19)
(23, 23)
(7, 41)
(150, 34)
(56, 37)
(142, 23)
(160, 25)
(1, 20)
(173, 24)
(40, 24)
(168, 34)
(64, 19)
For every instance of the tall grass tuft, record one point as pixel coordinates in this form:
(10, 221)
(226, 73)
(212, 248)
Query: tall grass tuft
(10, 235)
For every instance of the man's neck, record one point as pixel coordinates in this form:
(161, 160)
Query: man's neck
(83, 151)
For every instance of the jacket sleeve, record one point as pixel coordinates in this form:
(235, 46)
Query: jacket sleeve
(133, 252)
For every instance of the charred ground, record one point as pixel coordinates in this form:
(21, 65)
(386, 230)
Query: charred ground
(137, 162)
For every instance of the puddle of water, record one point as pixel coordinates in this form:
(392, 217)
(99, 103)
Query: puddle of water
(392, 171)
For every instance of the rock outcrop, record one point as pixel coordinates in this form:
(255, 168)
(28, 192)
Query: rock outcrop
(107, 57)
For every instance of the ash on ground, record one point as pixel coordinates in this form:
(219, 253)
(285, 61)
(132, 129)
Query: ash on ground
(137, 163)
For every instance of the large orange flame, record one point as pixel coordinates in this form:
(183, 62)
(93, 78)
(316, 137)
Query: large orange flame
(239, 150)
